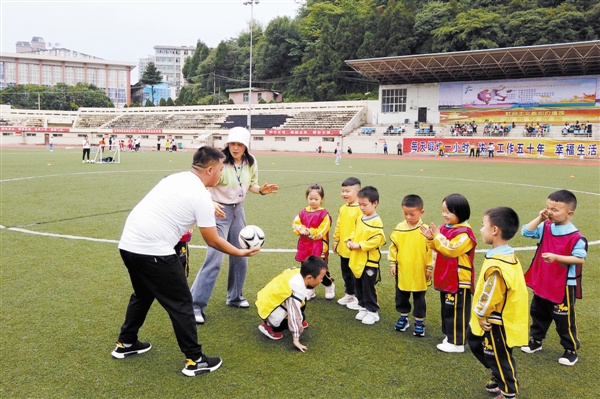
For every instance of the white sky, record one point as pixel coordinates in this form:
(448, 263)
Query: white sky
(128, 30)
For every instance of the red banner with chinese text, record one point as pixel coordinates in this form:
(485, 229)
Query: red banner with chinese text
(530, 147)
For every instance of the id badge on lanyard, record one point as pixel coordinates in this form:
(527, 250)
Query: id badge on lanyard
(238, 174)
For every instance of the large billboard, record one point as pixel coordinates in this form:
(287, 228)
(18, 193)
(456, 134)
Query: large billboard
(525, 100)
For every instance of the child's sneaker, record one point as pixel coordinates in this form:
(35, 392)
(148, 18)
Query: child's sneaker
(532, 347)
(402, 324)
(268, 331)
(568, 358)
(203, 365)
(450, 348)
(330, 291)
(354, 305)
(346, 299)
(492, 385)
(370, 318)
(121, 352)
(419, 330)
(361, 314)
(310, 294)
(503, 396)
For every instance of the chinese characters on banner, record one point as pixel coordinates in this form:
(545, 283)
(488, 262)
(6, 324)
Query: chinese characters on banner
(510, 147)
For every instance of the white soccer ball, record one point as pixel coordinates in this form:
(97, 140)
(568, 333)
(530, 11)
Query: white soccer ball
(251, 237)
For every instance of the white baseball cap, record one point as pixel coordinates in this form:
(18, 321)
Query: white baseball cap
(239, 135)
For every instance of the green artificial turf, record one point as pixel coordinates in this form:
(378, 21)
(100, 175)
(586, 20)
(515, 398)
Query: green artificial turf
(63, 299)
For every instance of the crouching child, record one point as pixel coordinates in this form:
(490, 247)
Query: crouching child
(282, 301)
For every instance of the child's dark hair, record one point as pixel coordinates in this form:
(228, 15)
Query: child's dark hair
(504, 218)
(370, 193)
(312, 266)
(351, 181)
(413, 201)
(458, 205)
(316, 187)
(564, 196)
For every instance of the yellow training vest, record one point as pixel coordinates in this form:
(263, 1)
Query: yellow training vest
(276, 292)
(515, 313)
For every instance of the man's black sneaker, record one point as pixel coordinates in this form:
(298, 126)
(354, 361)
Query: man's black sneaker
(203, 365)
(568, 358)
(533, 346)
(121, 352)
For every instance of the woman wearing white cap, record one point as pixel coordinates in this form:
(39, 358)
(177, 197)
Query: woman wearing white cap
(240, 175)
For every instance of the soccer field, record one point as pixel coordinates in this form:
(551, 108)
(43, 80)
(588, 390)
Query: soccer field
(64, 288)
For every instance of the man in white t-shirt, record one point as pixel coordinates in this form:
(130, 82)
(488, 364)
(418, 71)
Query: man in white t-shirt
(153, 228)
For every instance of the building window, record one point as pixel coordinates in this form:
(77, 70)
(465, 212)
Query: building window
(330, 139)
(30, 134)
(303, 138)
(245, 97)
(258, 138)
(178, 137)
(393, 100)
(259, 96)
(7, 134)
(216, 138)
(279, 138)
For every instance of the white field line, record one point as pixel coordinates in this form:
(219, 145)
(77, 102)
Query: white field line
(267, 250)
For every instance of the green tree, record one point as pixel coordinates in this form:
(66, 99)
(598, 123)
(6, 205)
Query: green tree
(472, 30)
(432, 16)
(170, 102)
(276, 54)
(59, 97)
(162, 102)
(151, 77)
(190, 65)
(148, 103)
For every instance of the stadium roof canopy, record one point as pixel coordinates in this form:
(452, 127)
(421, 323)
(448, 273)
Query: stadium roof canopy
(568, 59)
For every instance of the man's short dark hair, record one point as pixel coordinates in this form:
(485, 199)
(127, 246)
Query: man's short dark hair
(458, 205)
(312, 266)
(206, 156)
(413, 201)
(351, 181)
(370, 193)
(564, 196)
(504, 218)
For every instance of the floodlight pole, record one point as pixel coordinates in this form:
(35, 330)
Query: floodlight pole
(251, 3)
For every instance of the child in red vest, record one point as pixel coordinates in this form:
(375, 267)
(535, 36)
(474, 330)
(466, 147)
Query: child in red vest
(555, 274)
(312, 225)
(453, 274)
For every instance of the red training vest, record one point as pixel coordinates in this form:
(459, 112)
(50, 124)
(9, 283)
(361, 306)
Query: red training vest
(445, 274)
(307, 246)
(548, 280)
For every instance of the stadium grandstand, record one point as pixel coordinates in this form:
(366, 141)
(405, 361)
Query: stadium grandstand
(530, 101)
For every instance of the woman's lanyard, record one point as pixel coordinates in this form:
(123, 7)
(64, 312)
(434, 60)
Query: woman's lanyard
(238, 174)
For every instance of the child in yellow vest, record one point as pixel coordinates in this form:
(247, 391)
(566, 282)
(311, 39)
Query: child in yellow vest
(281, 302)
(499, 318)
(365, 243)
(348, 214)
(410, 264)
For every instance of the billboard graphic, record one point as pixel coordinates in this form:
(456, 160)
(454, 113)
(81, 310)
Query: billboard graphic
(524, 100)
